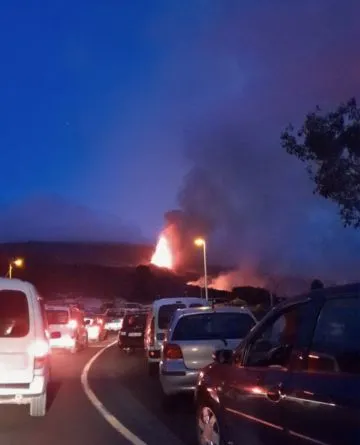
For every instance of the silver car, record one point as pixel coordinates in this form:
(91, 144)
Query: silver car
(193, 337)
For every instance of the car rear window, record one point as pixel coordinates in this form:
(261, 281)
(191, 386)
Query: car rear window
(57, 317)
(14, 314)
(166, 312)
(134, 321)
(115, 314)
(221, 325)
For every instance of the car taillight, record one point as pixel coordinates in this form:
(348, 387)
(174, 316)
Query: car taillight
(39, 350)
(72, 324)
(172, 352)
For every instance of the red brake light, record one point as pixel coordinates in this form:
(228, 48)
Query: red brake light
(72, 324)
(172, 352)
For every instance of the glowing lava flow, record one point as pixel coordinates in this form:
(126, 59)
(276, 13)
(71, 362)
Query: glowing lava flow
(162, 256)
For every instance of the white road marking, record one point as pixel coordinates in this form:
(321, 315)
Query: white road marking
(110, 418)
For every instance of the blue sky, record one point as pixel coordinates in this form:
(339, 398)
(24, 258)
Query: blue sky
(110, 109)
(84, 115)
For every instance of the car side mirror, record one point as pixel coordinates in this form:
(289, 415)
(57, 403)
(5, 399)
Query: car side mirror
(87, 322)
(55, 335)
(223, 356)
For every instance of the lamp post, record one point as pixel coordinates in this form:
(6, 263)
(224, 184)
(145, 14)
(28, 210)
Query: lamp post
(18, 262)
(200, 242)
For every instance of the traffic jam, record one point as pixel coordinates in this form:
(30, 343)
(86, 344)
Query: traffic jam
(247, 377)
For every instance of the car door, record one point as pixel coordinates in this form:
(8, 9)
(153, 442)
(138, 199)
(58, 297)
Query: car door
(253, 387)
(322, 403)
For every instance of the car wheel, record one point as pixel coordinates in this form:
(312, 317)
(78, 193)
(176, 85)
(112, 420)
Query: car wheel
(153, 369)
(38, 406)
(208, 429)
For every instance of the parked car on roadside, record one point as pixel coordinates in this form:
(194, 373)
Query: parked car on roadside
(192, 339)
(24, 346)
(67, 328)
(295, 379)
(157, 323)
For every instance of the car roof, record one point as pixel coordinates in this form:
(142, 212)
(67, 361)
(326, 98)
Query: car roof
(177, 300)
(55, 307)
(15, 284)
(326, 293)
(209, 310)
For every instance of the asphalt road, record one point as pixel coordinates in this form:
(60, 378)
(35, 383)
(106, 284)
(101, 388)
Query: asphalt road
(123, 387)
(71, 419)
(121, 382)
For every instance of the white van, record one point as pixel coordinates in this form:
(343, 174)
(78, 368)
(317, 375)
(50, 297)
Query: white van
(157, 324)
(24, 346)
(67, 328)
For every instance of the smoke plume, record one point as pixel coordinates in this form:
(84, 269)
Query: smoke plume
(255, 201)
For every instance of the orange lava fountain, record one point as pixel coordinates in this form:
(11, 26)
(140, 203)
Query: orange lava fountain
(162, 256)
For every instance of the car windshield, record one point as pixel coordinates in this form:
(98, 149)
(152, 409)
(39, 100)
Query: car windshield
(137, 321)
(221, 325)
(166, 312)
(14, 314)
(57, 316)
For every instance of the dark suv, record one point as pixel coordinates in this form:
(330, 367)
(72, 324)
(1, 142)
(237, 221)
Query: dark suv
(131, 334)
(294, 380)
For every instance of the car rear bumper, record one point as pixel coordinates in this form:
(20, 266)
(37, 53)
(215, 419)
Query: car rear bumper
(64, 342)
(131, 342)
(180, 380)
(21, 393)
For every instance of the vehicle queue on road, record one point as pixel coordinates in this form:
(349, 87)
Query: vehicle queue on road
(292, 378)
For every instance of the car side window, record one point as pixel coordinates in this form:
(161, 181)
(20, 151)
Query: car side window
(274, 344)
(335, 347)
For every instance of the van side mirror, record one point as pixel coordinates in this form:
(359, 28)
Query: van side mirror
(223, 356)
(87, 322)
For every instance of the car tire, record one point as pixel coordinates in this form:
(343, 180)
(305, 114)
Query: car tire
(38, 405)
(153, 369)
(206, 408)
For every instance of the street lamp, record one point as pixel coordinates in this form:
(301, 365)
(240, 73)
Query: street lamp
(200, 242)
(18, 262)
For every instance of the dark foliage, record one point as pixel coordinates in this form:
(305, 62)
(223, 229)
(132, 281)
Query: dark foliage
(317, 284)
(252, 295)
(329, 145)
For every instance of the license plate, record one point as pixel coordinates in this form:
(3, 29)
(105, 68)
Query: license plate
(135, 334)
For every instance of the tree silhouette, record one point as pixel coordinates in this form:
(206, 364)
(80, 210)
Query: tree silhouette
(329, 145)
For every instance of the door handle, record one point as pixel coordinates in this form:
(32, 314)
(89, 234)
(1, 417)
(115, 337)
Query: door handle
(274, 394)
